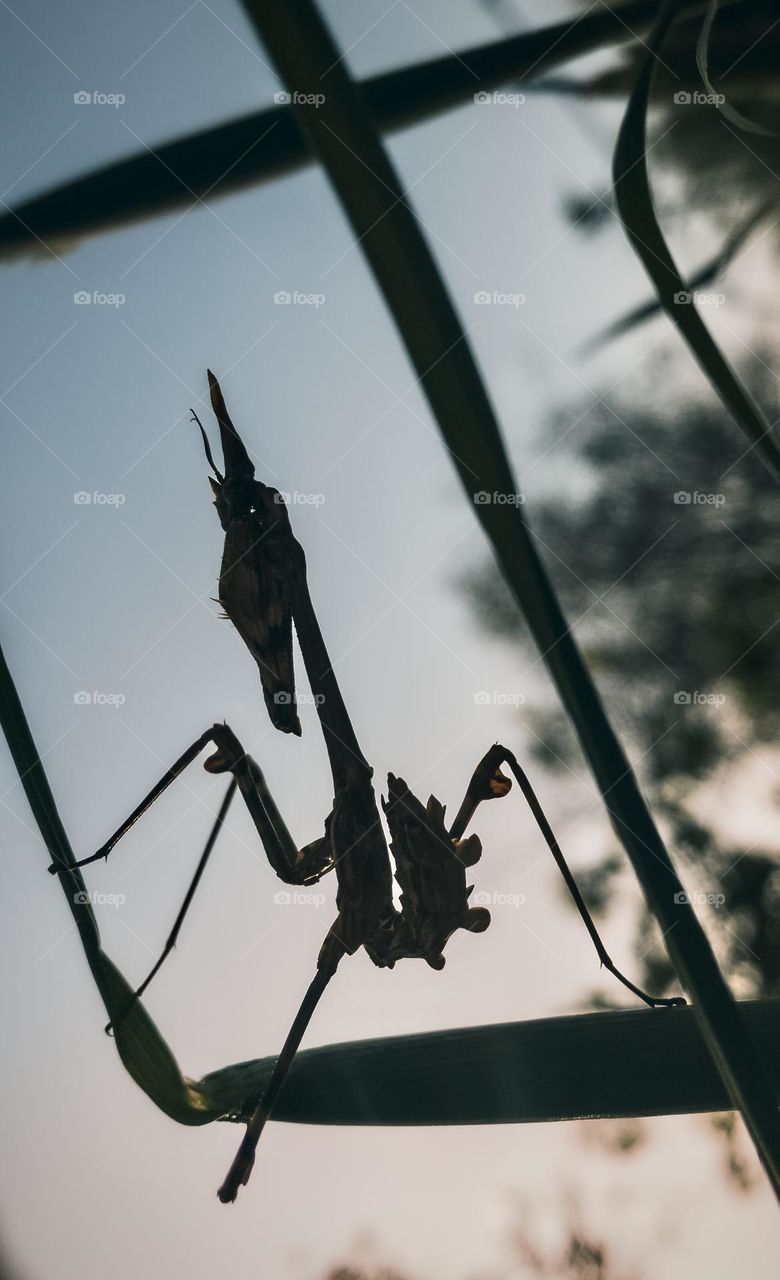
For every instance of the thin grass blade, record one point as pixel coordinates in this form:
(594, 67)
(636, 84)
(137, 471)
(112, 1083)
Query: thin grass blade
(635, 205)
(728, 111)
(265, 145)
(711, 271)
(142, 1049)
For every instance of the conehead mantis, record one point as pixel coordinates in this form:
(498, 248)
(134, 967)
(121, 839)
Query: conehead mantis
(264, 591)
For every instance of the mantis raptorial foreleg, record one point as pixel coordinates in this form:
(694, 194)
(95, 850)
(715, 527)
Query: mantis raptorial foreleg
(291, 864)
(488, 783)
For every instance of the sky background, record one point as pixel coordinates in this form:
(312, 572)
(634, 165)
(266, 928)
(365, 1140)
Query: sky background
(116, 598)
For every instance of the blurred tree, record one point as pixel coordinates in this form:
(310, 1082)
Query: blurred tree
(666, 552)
(578, 1255)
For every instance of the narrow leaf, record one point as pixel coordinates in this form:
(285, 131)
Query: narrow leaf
(703, 63)
(715, 267)
(141, 1047)
(635, 206)
(266, 144)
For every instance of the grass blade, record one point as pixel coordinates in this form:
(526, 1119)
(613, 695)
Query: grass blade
(706, 275)
(703, 63)
(142, 1049)
(341, 132)
(267, 144)
(629, 1063)
(635, 206)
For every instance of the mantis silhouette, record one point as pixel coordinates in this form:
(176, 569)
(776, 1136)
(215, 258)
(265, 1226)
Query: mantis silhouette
(264, 592)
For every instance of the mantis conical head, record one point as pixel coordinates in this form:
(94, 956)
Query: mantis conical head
(257, 560)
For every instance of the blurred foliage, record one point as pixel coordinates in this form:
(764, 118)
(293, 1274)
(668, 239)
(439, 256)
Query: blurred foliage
(724, 168)
(665, 549)
(703, 164)
(578, 1255)
(726, 1124)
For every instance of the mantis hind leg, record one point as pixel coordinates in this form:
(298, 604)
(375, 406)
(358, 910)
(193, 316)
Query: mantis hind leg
(488, 782)
(185, 906)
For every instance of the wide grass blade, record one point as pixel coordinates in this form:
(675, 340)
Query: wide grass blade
(588, 1066)
(635, 205)
(266, 144)
(342, 133)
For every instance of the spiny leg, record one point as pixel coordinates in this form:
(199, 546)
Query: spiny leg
(487, 782)
(290, 864)
(168, 777)
(185, 906)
